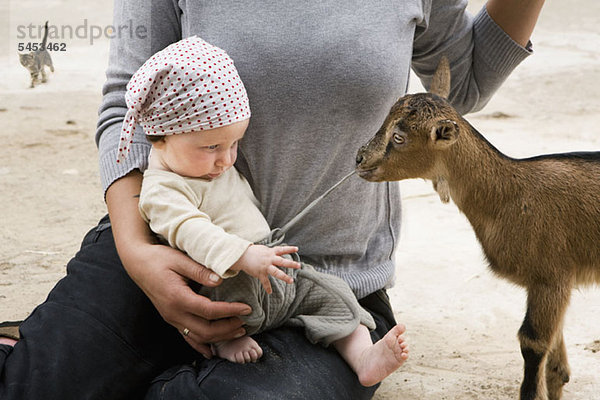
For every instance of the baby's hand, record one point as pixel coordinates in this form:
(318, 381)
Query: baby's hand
(261, 261)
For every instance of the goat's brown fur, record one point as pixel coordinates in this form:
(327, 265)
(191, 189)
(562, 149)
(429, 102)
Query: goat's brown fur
(537, 219)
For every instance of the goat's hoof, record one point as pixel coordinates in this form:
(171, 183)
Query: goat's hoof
(562, 374)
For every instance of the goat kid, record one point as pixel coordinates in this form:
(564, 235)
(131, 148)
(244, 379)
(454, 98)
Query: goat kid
(537, 219)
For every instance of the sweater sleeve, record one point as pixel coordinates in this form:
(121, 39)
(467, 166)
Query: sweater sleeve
(481, 54)
(154, 25)
(171, 209)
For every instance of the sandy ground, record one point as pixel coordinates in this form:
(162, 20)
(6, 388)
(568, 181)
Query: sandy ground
(462, 321)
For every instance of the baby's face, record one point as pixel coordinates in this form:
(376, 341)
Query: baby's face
(203, 154)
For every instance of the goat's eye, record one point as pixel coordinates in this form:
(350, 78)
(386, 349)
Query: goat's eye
(399, 139)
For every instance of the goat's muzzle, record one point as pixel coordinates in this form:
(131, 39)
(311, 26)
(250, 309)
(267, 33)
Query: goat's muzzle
(359, 157)
(364, 170)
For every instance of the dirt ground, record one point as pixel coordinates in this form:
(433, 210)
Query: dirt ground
(461, 320)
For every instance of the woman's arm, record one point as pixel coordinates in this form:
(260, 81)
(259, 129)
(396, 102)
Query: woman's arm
(482, 51)
(160, 271)
(516, 17)
(163, 273)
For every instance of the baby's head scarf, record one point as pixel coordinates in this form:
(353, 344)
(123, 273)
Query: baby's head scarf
(188, 86)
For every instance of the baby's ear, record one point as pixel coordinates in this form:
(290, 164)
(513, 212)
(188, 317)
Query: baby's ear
(156, 141)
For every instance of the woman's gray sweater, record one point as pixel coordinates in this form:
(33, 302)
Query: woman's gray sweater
(321, 77)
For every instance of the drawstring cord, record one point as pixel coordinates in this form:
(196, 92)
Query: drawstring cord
(302, 213)
(277, 235)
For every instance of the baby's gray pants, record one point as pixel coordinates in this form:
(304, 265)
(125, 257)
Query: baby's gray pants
(322, 304)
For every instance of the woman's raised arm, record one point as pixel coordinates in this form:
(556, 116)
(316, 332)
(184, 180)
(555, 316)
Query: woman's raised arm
(516, 17)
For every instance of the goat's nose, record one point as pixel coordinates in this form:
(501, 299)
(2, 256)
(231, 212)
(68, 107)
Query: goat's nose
(359, 158)
(359, 155)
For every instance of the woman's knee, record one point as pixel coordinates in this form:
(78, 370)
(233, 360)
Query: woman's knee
(291, 368)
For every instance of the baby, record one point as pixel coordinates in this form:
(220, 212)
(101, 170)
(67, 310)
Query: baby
(194, 109)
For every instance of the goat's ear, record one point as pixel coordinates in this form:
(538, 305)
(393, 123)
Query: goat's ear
(444, 133)
(440, 83)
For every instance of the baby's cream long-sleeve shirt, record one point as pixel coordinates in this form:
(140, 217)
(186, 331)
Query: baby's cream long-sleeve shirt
(214, 222)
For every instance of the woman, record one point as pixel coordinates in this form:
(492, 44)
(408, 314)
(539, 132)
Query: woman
(321, 78)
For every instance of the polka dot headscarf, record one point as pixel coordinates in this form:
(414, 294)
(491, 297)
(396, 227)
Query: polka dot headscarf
(188, 86)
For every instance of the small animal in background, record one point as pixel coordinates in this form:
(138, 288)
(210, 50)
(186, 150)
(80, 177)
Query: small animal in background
(37, 60)
(537, 219)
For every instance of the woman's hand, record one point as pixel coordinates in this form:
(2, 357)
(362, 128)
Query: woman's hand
(163, 274)
(262, 261)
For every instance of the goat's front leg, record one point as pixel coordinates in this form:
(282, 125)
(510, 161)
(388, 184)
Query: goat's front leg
(557, 368)
(546, 305)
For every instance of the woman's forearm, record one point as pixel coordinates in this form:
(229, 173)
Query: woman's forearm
(516, 17)
(163, 273)
(129, 229)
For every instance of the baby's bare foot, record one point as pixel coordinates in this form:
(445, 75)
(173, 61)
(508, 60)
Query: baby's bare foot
(383, 358)
(241, 351)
